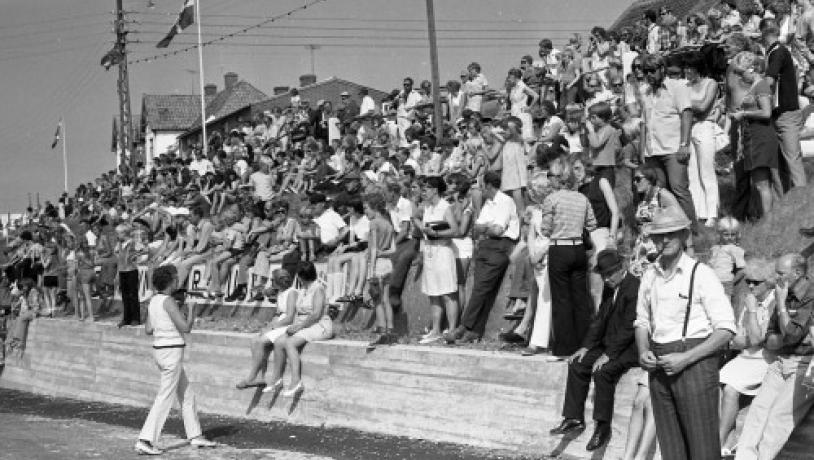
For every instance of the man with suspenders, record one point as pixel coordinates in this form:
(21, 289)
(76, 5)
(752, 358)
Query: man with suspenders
(684, 319)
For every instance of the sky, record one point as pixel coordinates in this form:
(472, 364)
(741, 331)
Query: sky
(50, 52)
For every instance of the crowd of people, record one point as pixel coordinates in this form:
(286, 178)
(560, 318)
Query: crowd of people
(535, 174)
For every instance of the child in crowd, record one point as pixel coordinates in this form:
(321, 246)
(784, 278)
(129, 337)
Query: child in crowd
(27, 306)
(727, 257)
(51, 265)
(307, 234)
(126, 255)
(603, 140)
(86, 276)
(572, 131)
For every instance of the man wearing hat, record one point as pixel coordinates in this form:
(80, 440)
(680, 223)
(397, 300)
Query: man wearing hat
(607, 352)
(348, 108)
(683, 320)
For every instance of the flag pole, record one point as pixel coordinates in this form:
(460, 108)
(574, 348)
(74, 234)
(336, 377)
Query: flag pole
(65, 153)
(204, 141)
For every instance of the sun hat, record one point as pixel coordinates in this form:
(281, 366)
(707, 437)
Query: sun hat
(667, 220)
(607, 261)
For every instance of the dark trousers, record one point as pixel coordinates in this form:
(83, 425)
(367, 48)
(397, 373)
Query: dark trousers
(673, 175)
(605, 380)
(571, 306)
(491, 262)
(128, 286)
(685, 407)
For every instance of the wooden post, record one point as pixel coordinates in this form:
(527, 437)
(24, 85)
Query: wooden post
(437, 117)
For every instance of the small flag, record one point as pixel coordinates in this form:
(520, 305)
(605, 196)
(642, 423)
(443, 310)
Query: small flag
(185, 18)
(113, 57)
(57, 135)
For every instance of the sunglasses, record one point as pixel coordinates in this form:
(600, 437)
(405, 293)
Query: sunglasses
(753, 283)
(425, 147)
(553, 175)
(638, 179)
(650, 70)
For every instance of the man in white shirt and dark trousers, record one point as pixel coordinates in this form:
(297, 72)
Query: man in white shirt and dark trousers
(683, 320)
(498, 229)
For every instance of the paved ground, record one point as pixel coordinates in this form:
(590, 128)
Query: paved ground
(34, 427)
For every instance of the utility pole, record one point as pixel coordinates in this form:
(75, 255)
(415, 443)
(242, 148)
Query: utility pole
(437, 119)
(126, 141)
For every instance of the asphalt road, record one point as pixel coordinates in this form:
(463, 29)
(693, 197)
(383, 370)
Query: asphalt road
(35, 427)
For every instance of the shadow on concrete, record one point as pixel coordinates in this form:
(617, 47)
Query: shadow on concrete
(176, 446)
(295, 402)
(563, 444)
(258, 394)
(599, 454)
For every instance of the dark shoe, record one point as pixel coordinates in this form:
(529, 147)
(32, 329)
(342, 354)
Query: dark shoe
(469, 337)
(239, 294)
(568, 425)
(455, 334)
(601, 435)
(259, 297)
(511, 337)
(385, 338)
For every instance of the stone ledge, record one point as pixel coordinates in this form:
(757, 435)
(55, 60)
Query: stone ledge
(487, 399)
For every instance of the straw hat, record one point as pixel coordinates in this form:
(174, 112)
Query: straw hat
(667, 220)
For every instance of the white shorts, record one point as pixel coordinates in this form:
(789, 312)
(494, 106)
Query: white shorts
(384, 267)
(745, 374)
(275, 333)
(323, 330)
(463, 248)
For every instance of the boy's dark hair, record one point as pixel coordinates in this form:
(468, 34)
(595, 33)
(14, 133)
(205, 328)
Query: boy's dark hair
(492, 178)
(602, 110)
(162, 276)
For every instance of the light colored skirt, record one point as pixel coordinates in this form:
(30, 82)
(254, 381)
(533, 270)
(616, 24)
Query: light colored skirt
(438, 275)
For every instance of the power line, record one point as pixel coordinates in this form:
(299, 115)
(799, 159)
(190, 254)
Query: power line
(224, 37)
(18, 25)
(392, 29)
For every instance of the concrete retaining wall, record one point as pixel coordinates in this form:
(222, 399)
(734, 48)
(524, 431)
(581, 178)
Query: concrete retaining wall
(486, 399)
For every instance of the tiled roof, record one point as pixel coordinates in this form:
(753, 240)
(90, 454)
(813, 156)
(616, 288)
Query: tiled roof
(328, 90)
(229, 101)
(680, 9)
(169, 112)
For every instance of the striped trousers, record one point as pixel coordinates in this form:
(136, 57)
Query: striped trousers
(685, 406)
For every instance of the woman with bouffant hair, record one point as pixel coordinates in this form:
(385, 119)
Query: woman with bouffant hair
(759, 143)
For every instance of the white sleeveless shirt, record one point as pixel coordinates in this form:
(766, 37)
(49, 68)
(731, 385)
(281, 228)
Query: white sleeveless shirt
(165, 334)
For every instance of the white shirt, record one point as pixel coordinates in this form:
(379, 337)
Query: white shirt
(653, 39)
(478, 84)
(164, 331)
(241, 167)
(262, 185)
(368, 105)
(501, 210)
(662, 303)
(406, 106)
(403, 212)
(330, 223)
(202, 167)
(91, 237)
(360, 228)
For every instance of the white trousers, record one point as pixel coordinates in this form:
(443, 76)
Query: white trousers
(541, 332)
(781, 403)
(174, 384)
(701, 170)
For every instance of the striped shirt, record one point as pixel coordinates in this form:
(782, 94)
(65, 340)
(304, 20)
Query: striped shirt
(565, 214)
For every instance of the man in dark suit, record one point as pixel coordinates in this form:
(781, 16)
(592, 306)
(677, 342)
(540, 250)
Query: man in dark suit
(608, 351)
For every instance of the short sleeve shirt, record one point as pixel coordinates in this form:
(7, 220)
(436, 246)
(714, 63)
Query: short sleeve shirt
(780, 66)
(725, 259)
(664, 107)
(330, 223)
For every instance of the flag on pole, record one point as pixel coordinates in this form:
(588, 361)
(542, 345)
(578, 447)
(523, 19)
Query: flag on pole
(57, 135)
(185, 18)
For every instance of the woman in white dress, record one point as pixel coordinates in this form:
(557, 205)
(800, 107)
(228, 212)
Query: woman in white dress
(519, 95)
(439, 280)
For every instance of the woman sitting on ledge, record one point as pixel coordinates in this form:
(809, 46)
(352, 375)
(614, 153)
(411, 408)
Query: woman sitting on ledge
(310, 324)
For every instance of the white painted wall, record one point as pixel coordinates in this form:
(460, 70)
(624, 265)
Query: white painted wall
(158, 142)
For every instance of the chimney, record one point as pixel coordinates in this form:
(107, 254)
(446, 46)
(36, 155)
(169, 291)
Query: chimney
(278, 90)
(230, 80)
(307, 79)
(211, 89)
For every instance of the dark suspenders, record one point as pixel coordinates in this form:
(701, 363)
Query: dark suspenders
(689, 302)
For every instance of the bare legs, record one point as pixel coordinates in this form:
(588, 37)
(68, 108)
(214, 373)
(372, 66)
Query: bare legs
(730, 405)
(641, 433)
(761, 178)
(261, 349)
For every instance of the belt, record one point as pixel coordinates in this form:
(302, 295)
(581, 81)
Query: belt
(496, 238)
(567, 242)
